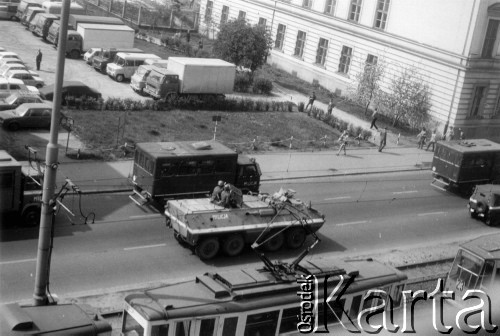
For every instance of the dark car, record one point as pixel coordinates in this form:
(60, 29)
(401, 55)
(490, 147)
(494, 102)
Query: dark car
(485, 203)
(30, 115)
(18, 98)
(73, 89)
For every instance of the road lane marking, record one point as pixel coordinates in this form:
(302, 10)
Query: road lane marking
(145, 216)
(143, 247)
(432, 213)
(352, 223)
(17, 261)
(404, 192)
(337, 198)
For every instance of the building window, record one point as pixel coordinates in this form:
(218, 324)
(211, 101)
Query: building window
(478, 100)
(307, 3)
(371, 60)
(330, 6)
(321, 52)
(262, 22)
(280, 37)
(242, 15)
(345, 59)
(490, 39)
(208, 10)
(299, 45)
(224, 15)
(355, 10)
(381, 13)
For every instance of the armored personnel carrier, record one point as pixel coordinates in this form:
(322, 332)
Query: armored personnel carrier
(271, 220)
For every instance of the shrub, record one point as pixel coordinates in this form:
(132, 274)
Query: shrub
(262, 85)
(290, 107)
(301, 107)
(241, 82)
(259, 105)
(366, 134)
(202, 53)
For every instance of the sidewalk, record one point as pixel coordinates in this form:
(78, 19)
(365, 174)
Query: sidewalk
(100, 176)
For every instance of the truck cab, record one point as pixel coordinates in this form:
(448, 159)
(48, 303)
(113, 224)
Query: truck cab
(74, 44)
(161, 83)
(100, 62)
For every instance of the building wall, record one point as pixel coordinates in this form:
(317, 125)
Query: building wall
(443, 39)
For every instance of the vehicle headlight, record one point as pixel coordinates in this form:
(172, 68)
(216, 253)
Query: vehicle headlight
(434, 168)
(134, 178)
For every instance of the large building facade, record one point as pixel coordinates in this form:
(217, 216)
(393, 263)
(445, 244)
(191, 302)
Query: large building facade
(455, 45)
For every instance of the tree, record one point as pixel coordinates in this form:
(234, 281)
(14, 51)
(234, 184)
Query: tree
(409, 98)
(367, 84)
(242, 44)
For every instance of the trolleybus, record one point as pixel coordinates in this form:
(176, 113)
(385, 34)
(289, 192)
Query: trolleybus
(256, 302)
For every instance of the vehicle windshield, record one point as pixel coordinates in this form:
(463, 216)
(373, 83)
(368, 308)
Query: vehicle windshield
(21, 110)
(142, 71)
(465, 269)
(130, 325)
(155, 77)
(11, 99)
(120, 61)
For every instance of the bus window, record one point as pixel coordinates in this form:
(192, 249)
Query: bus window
(248, 171)
(206, 167)
(129, 324)
(223, 166)
(207, 327)
(187, 168)
(161, 330)
(182, 328)
(230, 324)
(487, 274)
(465, 270)
(262, 324)
(289, 319)
(334, 312)
(168, 169)
(148, 165)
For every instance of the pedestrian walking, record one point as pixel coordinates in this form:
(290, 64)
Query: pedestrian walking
(312, 98)
(432, 141)
(374, 119)
(188, 36)
(343, 142)
(200, 44)
(461, 135)
(383, 139)
(38, 59)
(331, 105)
(421, 137)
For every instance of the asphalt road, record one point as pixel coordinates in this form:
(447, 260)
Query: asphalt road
(16, 38)
(129, 245)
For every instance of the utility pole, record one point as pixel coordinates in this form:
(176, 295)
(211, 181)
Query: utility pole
(49, 181)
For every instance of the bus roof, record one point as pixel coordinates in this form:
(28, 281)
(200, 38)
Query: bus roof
(471, 146)
(248, 289)
(184, 148)
(486, 247)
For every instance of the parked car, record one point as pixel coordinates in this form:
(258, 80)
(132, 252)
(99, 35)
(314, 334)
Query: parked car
(74, 89)
(88, 57)
(8, 54)
(11, 61)
(9, 86)
(485, 203)
(18, 98)
(26, 77)
(15, 66)
(31, 115)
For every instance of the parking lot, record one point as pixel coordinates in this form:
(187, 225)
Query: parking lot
(15, 37)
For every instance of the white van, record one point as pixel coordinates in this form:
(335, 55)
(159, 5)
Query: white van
(125, 64)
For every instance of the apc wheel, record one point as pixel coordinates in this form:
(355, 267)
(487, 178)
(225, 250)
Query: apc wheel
(295, 237)
(488, 220)
(275, 243)
(31, 217)
(473, 214)
(233, 245)
(207, 248)
(13, 126)
(120, 78)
